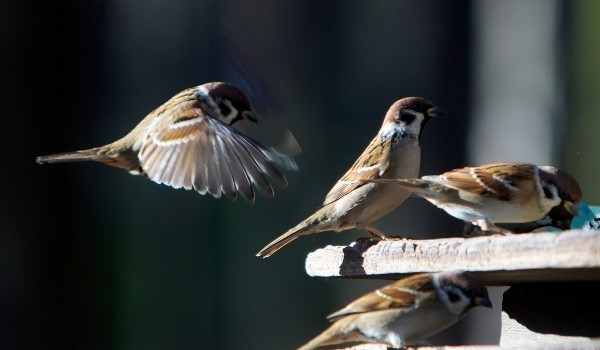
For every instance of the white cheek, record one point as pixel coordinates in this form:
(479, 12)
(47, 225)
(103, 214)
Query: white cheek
(545, 203)
(457, 307)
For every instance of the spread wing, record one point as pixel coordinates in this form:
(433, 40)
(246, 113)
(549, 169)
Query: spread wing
(406, 293)
(370, 165)
(190, 149)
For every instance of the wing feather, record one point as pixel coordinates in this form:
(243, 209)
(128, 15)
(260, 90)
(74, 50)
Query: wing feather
(497, 180)
(368, 166)
(193, 150)
(406, 293)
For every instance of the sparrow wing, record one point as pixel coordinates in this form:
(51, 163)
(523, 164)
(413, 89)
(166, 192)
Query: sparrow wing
(498, 180)
(406, 293)
(369, 165)
(190, 149)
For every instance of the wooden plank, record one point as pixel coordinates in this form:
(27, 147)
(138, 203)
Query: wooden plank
(531, 311)
(495, 260)
(459, 347)
(515, 335)
(526, 344)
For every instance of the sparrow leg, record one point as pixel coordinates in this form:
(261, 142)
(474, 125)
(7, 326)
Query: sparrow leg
(377, 234)
(472, 230)
(490, 228)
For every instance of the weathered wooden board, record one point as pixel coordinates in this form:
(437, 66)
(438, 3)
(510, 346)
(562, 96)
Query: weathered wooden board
(495, 260)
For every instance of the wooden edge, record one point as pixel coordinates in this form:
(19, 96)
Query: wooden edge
(531, 311)
(514, 334)
(564, 345)
(428, 347)
(495, 260)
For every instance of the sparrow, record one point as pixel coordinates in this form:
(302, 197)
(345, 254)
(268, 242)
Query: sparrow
(405, 311)
(189, 142)
(394, 152)
(510, 193)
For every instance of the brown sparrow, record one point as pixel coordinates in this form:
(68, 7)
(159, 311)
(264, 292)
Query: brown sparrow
(394, 152)
(189, 142)
(499, 193)
(405, 311)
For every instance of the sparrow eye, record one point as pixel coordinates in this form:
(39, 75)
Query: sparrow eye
(453, 297)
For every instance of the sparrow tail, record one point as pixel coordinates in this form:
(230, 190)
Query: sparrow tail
(77, 156)
(339, 332)
(318, 341)
(422, 187)
(302, 229)
(125, 159)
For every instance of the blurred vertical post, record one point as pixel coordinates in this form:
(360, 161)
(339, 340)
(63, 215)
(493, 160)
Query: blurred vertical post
(582, 142)
(517, 88)
(517, 96)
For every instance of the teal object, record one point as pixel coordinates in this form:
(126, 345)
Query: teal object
(586, 216)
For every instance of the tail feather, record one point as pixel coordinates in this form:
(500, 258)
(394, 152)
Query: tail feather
(342, 331)
(302, 229)
(422, 187)
(123, 158)
(322, 339)
(76, 156)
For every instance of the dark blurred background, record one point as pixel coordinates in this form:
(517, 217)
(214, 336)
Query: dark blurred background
(93, 258)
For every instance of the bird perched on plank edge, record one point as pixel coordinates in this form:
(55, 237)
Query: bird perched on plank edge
(394, 152)
(503, 192)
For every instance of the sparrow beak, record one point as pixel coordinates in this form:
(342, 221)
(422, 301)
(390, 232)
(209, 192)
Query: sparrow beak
(482, 301)
(561, 216)
(250, 116)
(435, 112)
(573, 210)
(571, 207)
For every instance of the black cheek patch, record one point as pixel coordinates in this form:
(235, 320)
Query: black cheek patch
(407, 117)
(547, 193)
(225, 110)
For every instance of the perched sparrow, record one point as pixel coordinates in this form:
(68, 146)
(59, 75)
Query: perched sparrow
(500, 193)
(408, 310)
(394, 152)
(188, 142)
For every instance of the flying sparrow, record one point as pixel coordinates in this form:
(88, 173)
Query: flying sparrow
(405, 311)
(189, 142)
(500, 193)
(394, 152)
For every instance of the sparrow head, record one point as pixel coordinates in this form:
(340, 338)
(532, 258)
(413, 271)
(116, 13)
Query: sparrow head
(459, 291)
(225, 102)
(412, 113)
(562, 190)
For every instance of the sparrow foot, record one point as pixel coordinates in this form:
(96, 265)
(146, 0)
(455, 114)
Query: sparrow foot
(367, 240)
(495, 230)
(377, 234)
(487, 228)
